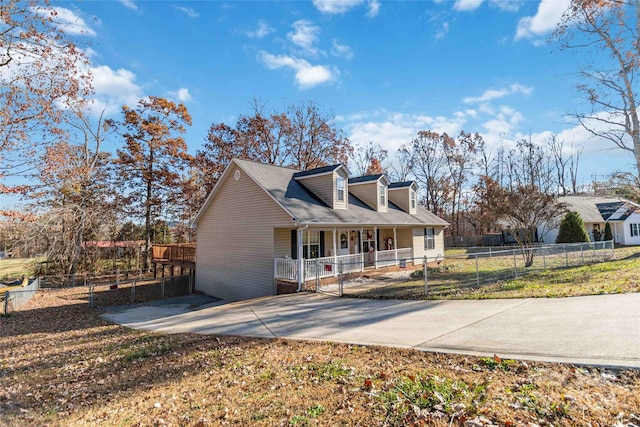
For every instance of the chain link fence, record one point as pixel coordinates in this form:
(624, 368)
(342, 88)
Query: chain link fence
(113, 288)
(475, 268)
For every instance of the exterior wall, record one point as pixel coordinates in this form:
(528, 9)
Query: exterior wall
(405, 238)
(235, 248)
(400, 197)
(627, 239)
(282, 242)
(418, 243)
(367, 192)
(324, 187)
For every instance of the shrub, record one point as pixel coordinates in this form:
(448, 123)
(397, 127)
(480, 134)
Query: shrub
(572, 229)
(607, 232)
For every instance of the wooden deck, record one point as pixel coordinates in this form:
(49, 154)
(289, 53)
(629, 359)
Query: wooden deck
(176, 255)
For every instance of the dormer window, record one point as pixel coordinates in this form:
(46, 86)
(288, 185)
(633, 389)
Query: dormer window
(412, 195)
(383, 195)
(340, 181)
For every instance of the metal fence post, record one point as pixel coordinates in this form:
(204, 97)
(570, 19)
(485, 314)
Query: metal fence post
(133, 291)
(582, 253)
(426, 274)
(341, 287)
(317, 274)
(6, 302)
(566, 256)
(515, 265)
(477, 271)
(544, 259)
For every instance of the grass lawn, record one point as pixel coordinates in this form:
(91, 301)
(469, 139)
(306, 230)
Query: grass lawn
(456, 279)
(62, 365)
(14, 268)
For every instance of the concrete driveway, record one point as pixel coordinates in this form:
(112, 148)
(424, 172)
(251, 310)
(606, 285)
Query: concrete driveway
(594, 330)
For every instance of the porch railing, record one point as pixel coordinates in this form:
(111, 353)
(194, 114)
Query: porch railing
(385, 258)
(285, 268)
(405, 253)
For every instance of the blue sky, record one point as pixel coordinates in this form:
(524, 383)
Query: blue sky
(385, 69)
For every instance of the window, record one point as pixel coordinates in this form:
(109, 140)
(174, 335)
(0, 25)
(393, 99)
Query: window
(635, 229)
(311, 244)
(344, 241)
(340, 187)
(429, 238)
(412, 195)
(383, 194)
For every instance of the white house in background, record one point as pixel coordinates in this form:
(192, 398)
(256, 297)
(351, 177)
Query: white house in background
(622, 215)
(267, 229)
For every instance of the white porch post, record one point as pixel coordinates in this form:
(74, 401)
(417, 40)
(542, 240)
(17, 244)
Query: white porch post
(300, 259)
(375, 247)
(335, 254)
(362, 255)
(395, 244)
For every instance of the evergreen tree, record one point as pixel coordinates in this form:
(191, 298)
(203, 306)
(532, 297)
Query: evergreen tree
(572, 229)
(608, 235)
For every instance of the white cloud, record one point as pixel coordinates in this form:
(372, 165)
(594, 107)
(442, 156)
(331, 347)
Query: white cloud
(392, 130)
(338, 49)
(507, 5)
(305, 35)
(262, 31)
(492, 94)
(129, 4)
(307, 75)
(188, 11)
(442, 32)
(334, 7)
(374, 8)
(114, 89)
(544, 21)
(467, 5)
(68, 20)
(181, 94)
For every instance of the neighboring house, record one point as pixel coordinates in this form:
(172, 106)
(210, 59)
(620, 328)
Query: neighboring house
(622, 215)
(265, 225)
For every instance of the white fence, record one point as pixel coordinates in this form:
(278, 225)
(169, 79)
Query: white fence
(320, 268)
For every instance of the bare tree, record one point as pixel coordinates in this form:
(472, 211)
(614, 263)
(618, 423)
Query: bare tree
(610, 31)
(364, 155)
(400, 168)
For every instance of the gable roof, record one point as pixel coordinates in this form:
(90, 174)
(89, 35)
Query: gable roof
(599, 209)
(319, 171)
(402, 184)
(364, 178)
(303, 206)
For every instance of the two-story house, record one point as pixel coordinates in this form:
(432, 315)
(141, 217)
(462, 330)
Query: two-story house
(263, 225)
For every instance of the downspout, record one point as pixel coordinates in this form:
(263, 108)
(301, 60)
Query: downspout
(300, 257)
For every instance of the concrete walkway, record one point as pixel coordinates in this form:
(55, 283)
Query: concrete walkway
(594, 330)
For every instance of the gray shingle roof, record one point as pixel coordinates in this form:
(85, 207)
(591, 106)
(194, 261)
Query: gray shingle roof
(308, 209)
(316, 171)
(364, 178)
(598, 209)
(400, 184)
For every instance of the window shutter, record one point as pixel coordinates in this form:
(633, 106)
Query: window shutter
(294, 244)
(322, 244)
(379, 247)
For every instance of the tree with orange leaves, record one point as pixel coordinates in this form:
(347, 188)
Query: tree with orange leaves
(40, 68)
(609, 31)
(153, 159)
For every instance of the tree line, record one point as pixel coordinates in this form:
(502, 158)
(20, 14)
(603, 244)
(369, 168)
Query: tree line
(86, 176)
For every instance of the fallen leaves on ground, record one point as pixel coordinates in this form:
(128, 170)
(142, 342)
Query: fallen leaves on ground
(61, 364)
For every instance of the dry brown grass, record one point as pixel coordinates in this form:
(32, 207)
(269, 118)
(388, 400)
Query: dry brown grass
(61, 364)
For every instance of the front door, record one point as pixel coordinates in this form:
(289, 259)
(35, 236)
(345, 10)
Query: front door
(343, 243)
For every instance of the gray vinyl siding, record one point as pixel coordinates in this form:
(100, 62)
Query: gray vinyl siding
(418, 243)
(400, 197)
(235, 247)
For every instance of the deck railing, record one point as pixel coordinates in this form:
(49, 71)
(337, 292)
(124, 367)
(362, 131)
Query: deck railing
(405, 254)
(386, 258)
(287, 268)
(174, 252)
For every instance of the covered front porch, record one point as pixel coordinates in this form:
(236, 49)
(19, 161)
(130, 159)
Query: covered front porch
(331, 252)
